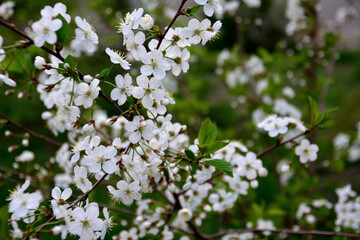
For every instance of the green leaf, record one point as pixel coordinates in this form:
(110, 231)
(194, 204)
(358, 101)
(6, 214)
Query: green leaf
(257, 211)
(221, 165)
(207, 133)
(190, 155)
(62, 33)
(314, 110)
(325, 116)
(71, 61)
(215, 146)
(276, 212)
(4, 227)
(219, 186)
(193, 10)
(318, 118)
(104, 73)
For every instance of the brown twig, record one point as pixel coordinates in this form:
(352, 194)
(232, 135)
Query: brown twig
(124, 211)
(281, 143)
(84, 195)
(178, 13)
(30, 132)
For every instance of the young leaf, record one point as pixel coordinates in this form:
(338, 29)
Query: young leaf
(193, 10)
(104, 73)
(324, 116)
(62, 33)
(207, 133)
(215, 146)
(71, 61)
(190, 155)
(221, 165)
(318, 118)
(314, 110)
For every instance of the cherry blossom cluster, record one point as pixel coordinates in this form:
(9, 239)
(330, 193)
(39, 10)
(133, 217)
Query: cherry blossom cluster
(308, 212)
(347, 208)
(344, 144)
(275, 125)
(296, 15)
(7, 9)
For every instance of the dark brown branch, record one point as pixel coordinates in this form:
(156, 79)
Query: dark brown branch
(30, 132)
(124, 211)
(269, 149)
(178, 13)
(84, 195)
(181, 230)
(162, 194)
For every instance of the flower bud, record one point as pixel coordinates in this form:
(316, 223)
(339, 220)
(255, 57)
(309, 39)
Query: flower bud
(185, 214)
(67, 66)
(254, 183)
(8, 133)
(263, 172)
(46, 115)
(25, 142)
(88, 78)
(147, 22)
(40, 63)
(55, 230)
(20, 95)
(13, 148)
(310, 219)
(285, 168)
(8, 92)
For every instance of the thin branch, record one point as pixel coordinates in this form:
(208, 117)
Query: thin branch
(58, 55)
(178, 13)
(21, 182)
(196, 232)
(162, 194)
(181, 230)
(124, 211)
(30, 132)
(269, 149)
(84, 195)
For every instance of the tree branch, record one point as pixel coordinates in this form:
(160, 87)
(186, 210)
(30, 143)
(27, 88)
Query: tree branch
(269, 149)
(84, 195)
(178, 13)
(30, 132)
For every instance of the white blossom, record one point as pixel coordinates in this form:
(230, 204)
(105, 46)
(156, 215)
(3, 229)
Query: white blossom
(154, 63)
(148, 90)
(123, 90)
(210, 6)
(45, 29)
(87, 93)
(85, 33)
(117, 58)
(127, 193)
(306, 151)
